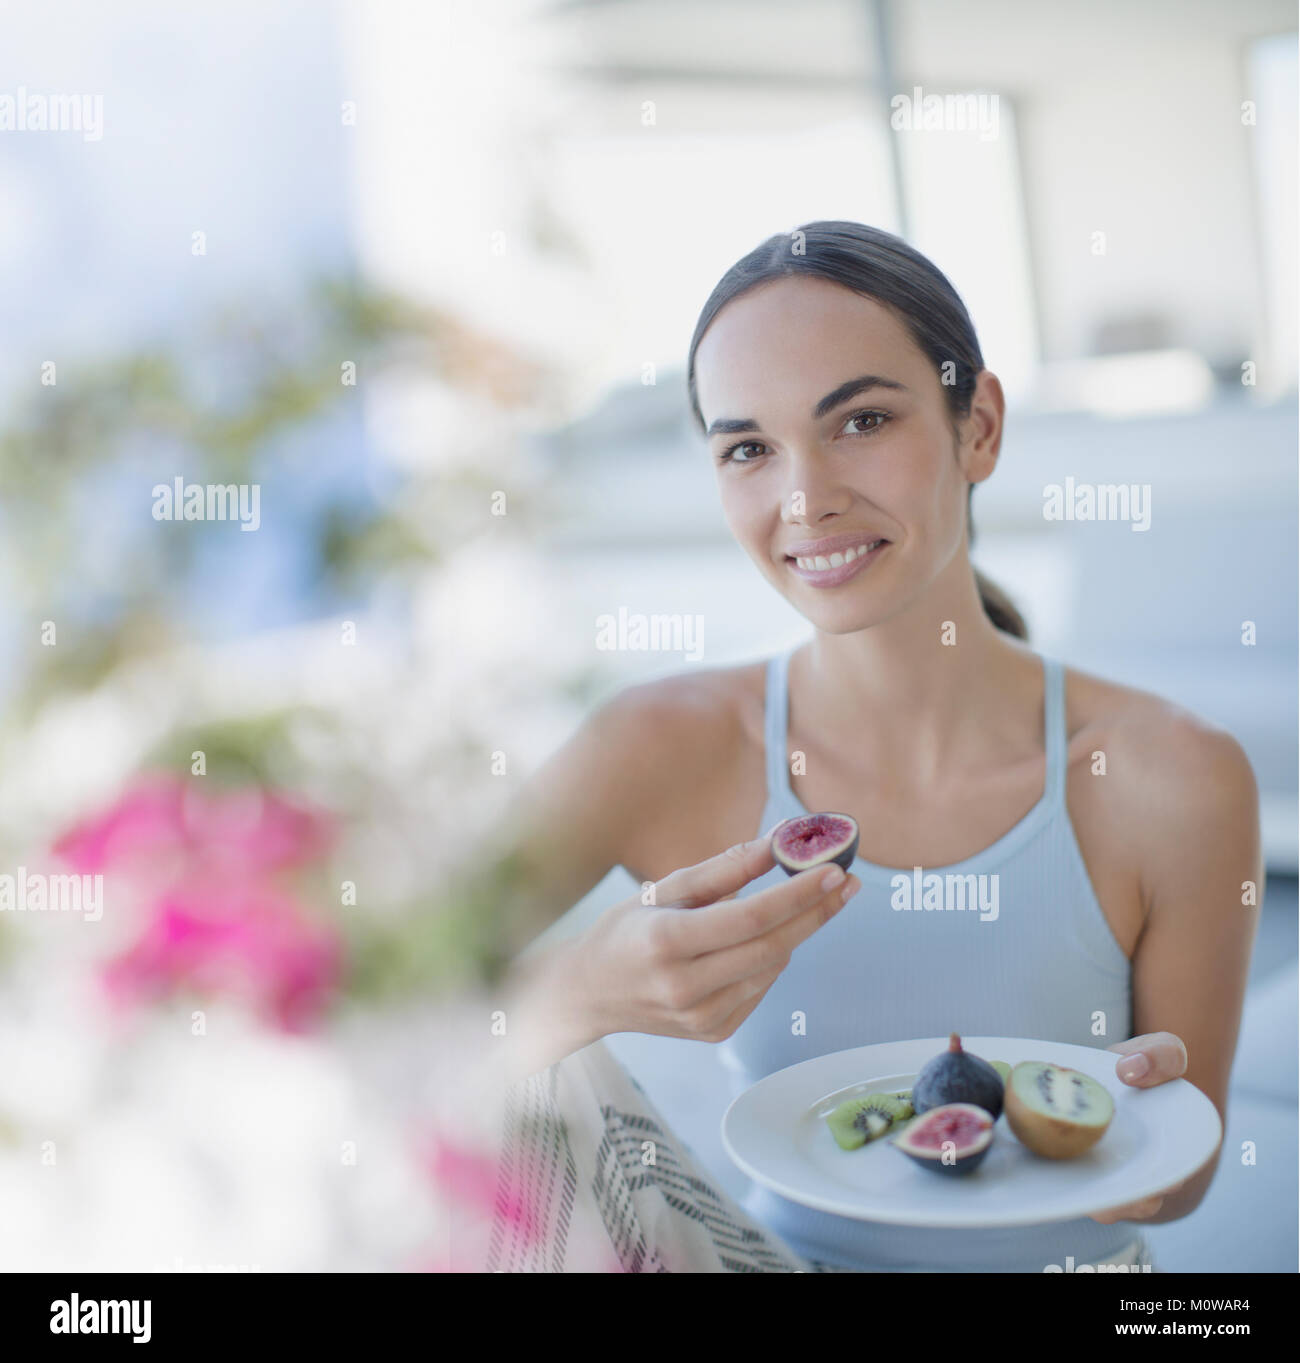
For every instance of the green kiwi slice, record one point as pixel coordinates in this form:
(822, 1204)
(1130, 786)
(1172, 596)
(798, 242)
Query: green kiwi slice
(859, 1120)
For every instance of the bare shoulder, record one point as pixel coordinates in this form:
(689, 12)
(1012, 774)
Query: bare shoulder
(647, 781)
(690, 711)
(1179, 798)
(1163, 801)
(1163, 751)
(688, 744)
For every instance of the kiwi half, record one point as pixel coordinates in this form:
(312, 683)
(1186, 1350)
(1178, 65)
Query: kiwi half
(904, 1097)
(1057, 1112)
(859, 1120)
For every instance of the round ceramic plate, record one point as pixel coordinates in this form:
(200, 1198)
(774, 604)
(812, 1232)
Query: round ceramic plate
(776, 1132)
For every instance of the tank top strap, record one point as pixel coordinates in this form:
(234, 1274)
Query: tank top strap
(1054, 734)
(775, 721)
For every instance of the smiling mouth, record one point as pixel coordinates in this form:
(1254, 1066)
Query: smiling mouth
(820, 563)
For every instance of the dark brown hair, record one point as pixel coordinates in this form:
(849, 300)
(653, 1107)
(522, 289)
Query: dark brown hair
(885, 268)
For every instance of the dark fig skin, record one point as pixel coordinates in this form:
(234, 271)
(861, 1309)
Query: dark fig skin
(956, 1076)
(843, 858)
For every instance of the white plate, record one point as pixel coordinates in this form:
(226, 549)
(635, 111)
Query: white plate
(776, 1132)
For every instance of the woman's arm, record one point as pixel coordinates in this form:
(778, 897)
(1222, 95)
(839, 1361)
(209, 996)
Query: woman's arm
(1194, 795)
(565, 830)
(575, 818)
(648, 783)
(637, 786)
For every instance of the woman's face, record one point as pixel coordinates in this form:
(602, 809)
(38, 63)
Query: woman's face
(814, 469)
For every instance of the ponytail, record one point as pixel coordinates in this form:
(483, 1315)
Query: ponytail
(999, 607)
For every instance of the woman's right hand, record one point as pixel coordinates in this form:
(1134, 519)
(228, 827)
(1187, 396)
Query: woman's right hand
(695, 962)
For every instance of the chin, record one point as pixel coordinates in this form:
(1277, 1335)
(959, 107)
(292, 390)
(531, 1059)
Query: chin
(847, 617)
(843, 623)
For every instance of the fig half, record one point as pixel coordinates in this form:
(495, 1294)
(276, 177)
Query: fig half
(1057, 1112)
(815, 840)
(952, 1139)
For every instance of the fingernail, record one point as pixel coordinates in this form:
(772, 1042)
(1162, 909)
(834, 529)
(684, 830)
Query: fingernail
(1133, 1067)
(851, 887)
(832, 878)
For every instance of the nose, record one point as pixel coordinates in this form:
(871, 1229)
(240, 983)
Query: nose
(812, 491)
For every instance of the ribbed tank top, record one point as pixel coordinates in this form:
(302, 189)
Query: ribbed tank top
(1044, 967)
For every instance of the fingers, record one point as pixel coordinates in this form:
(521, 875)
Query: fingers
(1140, 1210)
(1153, 1058)
(720, 1015)
(754, 991)
(716, 878)
(770, 950)
(720, 926)
(1134, 1211)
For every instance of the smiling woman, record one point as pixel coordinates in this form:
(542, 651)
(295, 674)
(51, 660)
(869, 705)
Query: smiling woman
(920, 303)
(837, 377)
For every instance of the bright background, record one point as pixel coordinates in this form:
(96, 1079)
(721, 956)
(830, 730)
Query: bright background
(508, 215)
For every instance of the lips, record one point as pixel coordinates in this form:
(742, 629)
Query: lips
(827, 563)
(824, 556)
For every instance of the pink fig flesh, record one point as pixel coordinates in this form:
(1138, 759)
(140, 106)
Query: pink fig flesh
(815, 840)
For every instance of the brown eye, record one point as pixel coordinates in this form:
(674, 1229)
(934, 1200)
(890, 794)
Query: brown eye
(877, 419)
(728, 456)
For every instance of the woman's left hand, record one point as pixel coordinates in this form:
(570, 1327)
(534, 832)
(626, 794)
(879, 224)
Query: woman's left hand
(1147, 1061)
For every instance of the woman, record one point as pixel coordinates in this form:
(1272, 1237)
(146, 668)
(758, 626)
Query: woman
(840, 386)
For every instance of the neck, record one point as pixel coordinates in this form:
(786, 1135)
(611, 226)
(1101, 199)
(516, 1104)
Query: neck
(932, 687)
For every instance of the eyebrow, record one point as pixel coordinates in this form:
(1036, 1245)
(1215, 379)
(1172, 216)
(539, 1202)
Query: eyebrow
(851, 388)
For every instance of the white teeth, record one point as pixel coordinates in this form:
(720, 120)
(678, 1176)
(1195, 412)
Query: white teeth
(821, 564)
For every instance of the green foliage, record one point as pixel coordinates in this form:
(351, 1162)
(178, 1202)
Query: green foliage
(231, 402)
(221, 405)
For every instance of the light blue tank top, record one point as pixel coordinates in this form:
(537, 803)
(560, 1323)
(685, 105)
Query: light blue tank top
(1043, 968)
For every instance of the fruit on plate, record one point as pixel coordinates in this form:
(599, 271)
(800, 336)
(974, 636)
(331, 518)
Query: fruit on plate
(904, 1096)
(1057, 1112)
(859, 1120)
(956, 1076)
(1002, 1068)
(952, 1139)
(814, 839)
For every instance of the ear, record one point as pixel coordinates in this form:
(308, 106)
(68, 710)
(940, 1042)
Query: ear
(981, 430)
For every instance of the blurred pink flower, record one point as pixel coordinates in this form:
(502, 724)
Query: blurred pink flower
(201, 858)
(163, 817)
(247, 940)
(478, 1181)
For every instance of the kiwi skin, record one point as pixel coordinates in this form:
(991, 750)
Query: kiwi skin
(1050, 1137)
